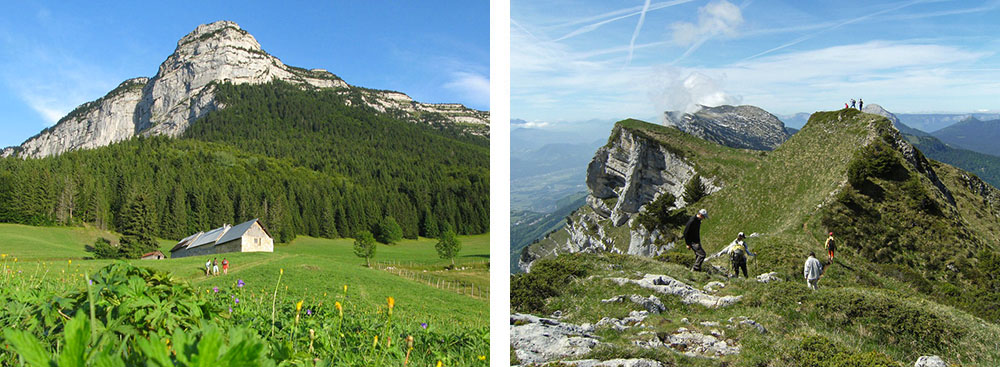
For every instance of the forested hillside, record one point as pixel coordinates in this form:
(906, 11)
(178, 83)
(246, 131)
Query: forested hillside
(306, 162)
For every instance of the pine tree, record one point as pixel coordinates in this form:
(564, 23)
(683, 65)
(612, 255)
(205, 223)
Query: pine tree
(694, 190)
(137, 228)
(429, 226)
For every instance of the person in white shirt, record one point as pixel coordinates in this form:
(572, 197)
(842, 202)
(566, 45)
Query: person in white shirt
(812, 271)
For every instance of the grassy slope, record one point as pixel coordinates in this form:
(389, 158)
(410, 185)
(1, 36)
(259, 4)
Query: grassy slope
(313, 266)
(780, 196)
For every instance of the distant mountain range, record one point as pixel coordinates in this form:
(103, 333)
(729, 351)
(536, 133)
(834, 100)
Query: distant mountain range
(973, 134)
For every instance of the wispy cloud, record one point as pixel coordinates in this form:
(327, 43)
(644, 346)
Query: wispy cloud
(50, 81)
(474, 87)
(838, 25)
(592, 23)
(635, 34)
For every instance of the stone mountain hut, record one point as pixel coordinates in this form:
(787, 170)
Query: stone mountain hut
(244, 237)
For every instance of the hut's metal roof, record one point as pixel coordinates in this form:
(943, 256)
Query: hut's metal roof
(236, 232)
(183, 243)
(209, 237)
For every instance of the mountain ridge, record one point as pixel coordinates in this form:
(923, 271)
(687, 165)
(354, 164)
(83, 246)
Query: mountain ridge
(183, 90)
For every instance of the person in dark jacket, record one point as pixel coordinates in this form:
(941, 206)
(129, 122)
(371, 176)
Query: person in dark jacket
(692, 237)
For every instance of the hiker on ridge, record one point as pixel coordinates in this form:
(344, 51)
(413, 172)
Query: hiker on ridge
(853, 103)
(812, 271)
(692, 237)
(738, 252)
(831, 246)
(861, 104)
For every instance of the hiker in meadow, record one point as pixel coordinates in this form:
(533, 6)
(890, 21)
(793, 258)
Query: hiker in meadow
(738, 252)
(861, 104)
(208, 267)
(215, 266)
(813, 270)
(692, 237)
(225, 266)
(831, 246)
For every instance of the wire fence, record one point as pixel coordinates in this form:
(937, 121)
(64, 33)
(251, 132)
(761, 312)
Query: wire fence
(434, 280)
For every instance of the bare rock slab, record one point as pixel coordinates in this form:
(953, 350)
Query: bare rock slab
(539, 340)
(670, 286)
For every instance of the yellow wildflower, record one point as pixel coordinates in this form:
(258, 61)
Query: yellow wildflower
(439, 364)
(281, 271)
(298, 306)
(375, 344)
(482, 358)
(345, 288)
(3, 256)
(340, 309)
(70, 262)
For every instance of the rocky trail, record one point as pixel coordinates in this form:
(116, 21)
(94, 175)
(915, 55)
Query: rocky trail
(544, 341)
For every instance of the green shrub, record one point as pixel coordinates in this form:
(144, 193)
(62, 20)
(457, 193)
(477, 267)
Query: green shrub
(103, 249)
(888, 317)
(875, 160)
(681, 256)
(817, 351)
(529, 291)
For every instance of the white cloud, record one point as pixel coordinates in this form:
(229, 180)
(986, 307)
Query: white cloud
(474, 87)
(528, 124)
(718, 18)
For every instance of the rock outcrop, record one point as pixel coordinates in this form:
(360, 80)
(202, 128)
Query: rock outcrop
(618, 362)
(670, 286)
(539, 340)
(745, 127)
(629, 172)
(930, 361)
(693, 344)
(183, 90)
(652, 304)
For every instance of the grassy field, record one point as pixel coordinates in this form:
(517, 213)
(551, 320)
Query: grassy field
(312, 267)
(310, 302)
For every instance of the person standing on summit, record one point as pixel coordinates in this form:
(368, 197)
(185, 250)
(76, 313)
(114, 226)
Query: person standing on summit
(861, 104)
(692, 237)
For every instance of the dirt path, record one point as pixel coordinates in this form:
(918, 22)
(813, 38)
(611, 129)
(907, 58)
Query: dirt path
(200, 277)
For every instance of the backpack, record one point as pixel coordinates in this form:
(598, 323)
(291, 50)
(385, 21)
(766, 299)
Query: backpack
(739, 250)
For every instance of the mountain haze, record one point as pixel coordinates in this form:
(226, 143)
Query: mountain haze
(972, 134)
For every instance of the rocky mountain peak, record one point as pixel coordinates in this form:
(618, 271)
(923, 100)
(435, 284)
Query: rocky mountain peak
(745, 127)
(878, 110)
(183, 90)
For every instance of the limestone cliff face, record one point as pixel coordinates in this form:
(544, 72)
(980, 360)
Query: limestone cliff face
(625, 175)
(744, 127)
(182, 91)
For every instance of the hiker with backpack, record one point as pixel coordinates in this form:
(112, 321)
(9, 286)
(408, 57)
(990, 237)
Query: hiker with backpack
(692, 237)
(738, 252)
(812, 271)
(861, 104)
(831, 246)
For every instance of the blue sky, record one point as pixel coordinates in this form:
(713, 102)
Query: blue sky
(55, 56)
(581, 60)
